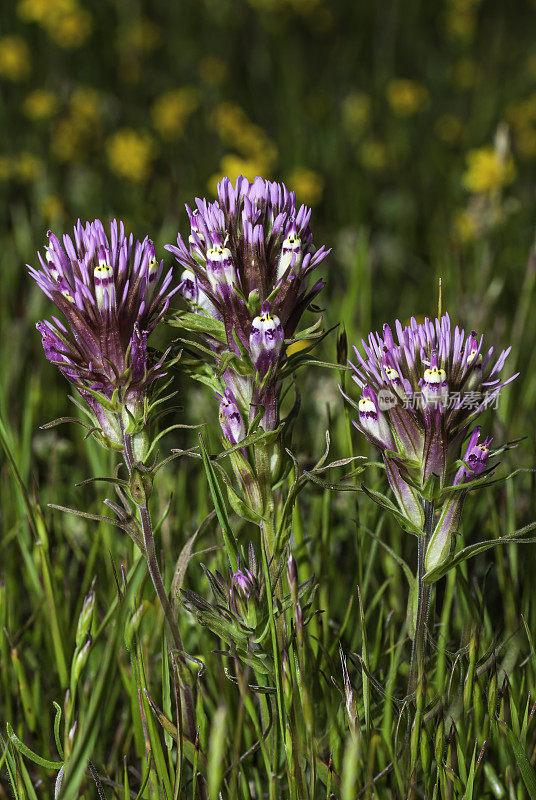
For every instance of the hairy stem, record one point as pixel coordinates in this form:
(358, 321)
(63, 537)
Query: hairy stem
(156, 576)
(418, 653)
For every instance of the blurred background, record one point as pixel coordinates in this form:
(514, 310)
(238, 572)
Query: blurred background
(409, 127)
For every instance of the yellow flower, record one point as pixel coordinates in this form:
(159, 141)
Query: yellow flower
(449, 129)
(14, 58)
(51, 208)
(356, 111)
(5, 168)
(85, 105)
(212, 70)
(27, 167)
(465, 73)
(232, 166)
(66, 141)
(71, 29)
(307, 184)
(143, 35)
(249, 139)
(487, 171)
(43, 11)
(406, 97)
(465, 226)
(373, 155)
(130, 154)
(171, 110)
(40, 104)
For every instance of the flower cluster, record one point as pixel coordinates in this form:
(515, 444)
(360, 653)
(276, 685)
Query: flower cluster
(247, 265)
(110, 293)
(421, 442)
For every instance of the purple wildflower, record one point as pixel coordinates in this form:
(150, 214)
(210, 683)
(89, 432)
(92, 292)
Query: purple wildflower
(251, 250)
(109, 291)
(421, 393)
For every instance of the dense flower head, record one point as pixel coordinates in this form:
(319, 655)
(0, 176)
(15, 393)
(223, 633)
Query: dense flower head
(247, 264)
(253, 246)
(422, 390)
(109, 290)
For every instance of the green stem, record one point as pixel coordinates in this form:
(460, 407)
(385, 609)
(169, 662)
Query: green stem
(418, 653)
(156, 576)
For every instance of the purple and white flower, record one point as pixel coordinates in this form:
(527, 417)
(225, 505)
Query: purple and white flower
(111, 295)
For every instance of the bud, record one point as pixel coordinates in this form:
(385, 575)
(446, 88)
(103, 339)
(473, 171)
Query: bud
(80, 660)
(292, 577)
(342, 349)
(230, 418)
(439, 743)
(141, 484)
(287, 682)
(86, 615)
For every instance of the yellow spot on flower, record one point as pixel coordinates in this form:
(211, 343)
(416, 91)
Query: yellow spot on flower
(307, 184)
(487, 171)
(40, 104)
(406, 97)
(14, 58)
(130, 154)
(171, 110)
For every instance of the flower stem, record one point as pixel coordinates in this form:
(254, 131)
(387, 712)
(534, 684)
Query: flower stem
(156, 576)
(418, 653)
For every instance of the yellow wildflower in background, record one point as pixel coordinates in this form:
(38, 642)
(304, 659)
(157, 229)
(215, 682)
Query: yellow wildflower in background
(522, 117)
(373, 155)
(212, 70)
(465, 73)
(51, 208)
(143, 35)
(465, 226)
(487, 170)
(85, 104)
(171, 110)
(14, 58)
(40, 104)
(356, 111)
(65, 21)
(307, 184)
(130, 154)
(27, 167)
(5, 168)
(449, 129)
(248, 139)
(43, 11)
(72, 29)
(406, 97)
(232, 166)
